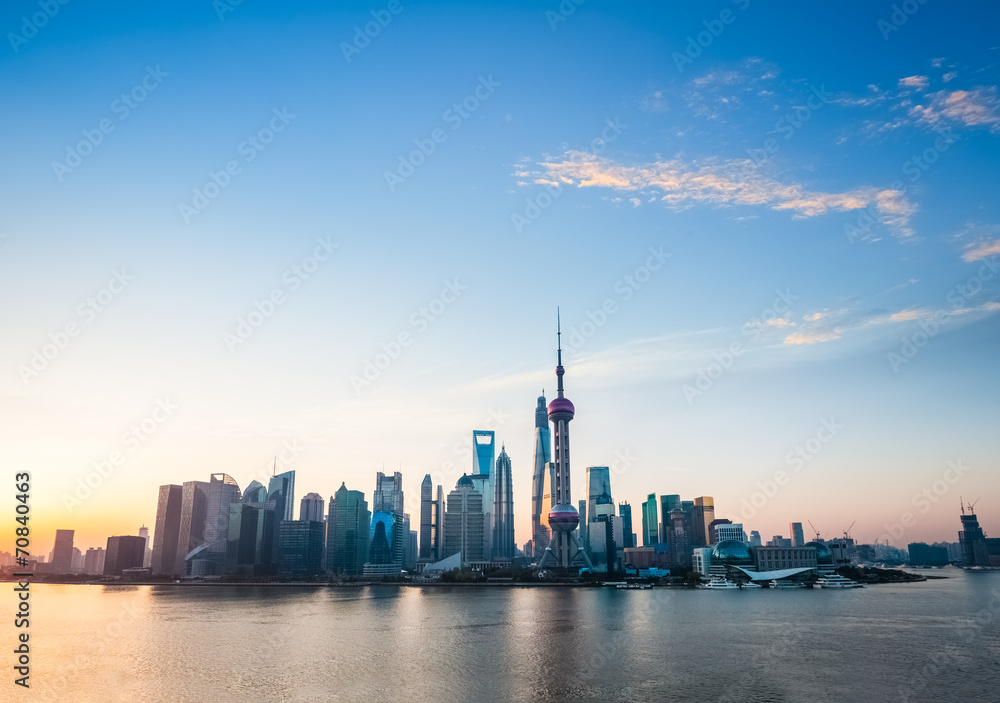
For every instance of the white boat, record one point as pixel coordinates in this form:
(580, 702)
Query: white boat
(782, 584)
(750, 584)
(836, 581)
(719, 584)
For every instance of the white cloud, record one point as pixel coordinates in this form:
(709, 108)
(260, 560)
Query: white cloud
(981, 250)
(973, 108)
(680, 184)
(812, 337)
(918, 82)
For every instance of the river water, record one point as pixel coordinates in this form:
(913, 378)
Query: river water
(932, 641)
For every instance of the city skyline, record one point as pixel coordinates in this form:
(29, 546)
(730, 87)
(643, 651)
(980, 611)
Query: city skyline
(757, 248)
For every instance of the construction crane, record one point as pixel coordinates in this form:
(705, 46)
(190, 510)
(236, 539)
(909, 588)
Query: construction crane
(814, 529)
(972, 506)
(847, 532)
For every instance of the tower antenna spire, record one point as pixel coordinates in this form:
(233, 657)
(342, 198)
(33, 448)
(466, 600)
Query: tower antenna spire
(559, 367)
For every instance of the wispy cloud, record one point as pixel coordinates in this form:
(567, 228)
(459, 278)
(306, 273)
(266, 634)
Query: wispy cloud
(979, 107)
(680, 184)
(918, 82)
(982, 250)
(812, 337)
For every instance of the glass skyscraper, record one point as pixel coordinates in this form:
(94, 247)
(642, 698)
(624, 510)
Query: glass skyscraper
(541, 478)
(300, 547)
(167, 529)
(464, 522)
(250, 537)
(503, 509)
(348, 533)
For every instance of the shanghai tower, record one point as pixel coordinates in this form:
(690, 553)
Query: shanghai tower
(564, 550)
(543, 455)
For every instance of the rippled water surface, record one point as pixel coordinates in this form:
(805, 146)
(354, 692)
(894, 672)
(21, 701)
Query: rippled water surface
(933, 641)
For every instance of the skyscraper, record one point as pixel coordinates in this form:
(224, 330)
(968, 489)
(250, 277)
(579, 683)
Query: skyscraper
(795, 532)
(504, 546)
(564, 550)
(598, 484)
(437, 525)
(148, 552)
(123, 552)
(628, 537)
(667, 503)
(250, 541)
(650, 523)
(704, 514)
(347, 534)
(386, 533)
(972, 540)
(678, 537)
(755, 540)
(62, 553)
(168, 525)
(300, 547)
(427, 519)
(311, 507)
(209, 559)
(281, 491)
(93, 560)
(464, 522)
(483, 477)
(191, 534)
(542, 457)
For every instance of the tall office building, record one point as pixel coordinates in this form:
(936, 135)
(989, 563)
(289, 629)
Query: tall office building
(209, 558)
(347, 536)
(973, 541)
(504, 546)
(598, 484)
(755, 540)
(250, 542)
(483, 457)
(123, 552)
(464, 522)
(678, 537)
(62, 553)
(542, 457)
(93, 561)
(564, 550)
(704, 514)
(628, 537)
(437, 525)
(582, 512)
(191, 533)
(147, 559)
(311, 508)
(795, 532)
(483, 477)
(604, 534)
(386, 533)
(168, 525)
(427, 520)
(667, 503)
(281, 491)
(650, 522)
(300, 547)
(388, 497)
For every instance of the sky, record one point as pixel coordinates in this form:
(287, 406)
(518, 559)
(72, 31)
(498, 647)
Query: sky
(235, 236)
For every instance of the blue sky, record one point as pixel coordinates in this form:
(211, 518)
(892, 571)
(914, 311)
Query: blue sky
(803, 171)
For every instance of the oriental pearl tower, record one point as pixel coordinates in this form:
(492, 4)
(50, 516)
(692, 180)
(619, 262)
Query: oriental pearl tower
(564, 548)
